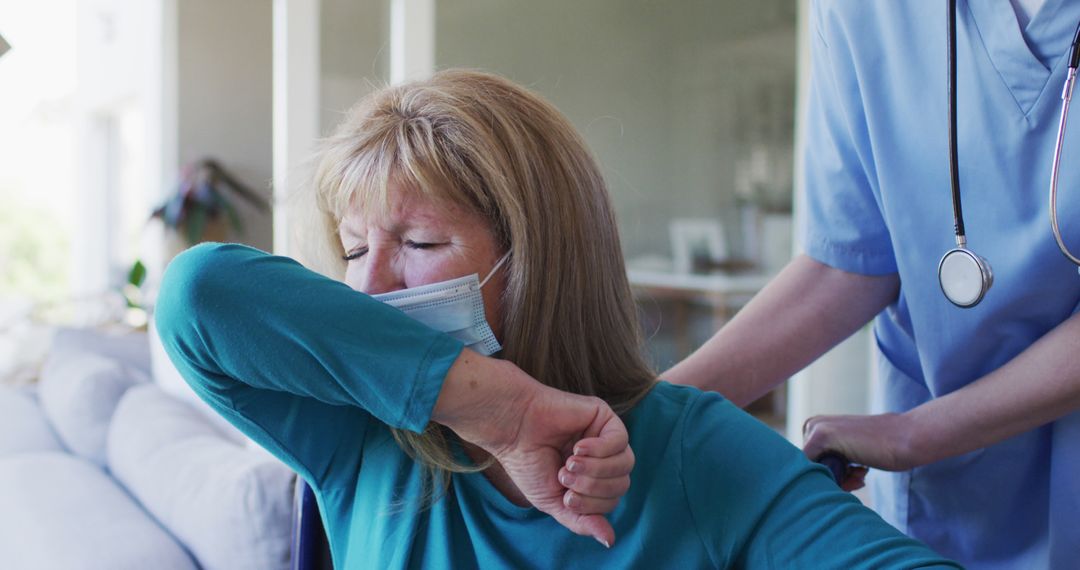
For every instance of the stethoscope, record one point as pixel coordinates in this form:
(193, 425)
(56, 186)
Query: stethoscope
(965, 276)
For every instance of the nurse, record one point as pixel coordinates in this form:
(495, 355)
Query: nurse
(979, 440)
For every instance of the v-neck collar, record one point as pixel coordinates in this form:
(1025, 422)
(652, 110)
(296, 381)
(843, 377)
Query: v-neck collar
(1024, 59)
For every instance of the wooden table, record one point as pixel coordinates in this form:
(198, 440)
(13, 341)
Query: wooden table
(723, 293)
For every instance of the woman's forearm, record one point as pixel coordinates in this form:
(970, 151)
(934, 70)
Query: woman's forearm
(1038, 386)
(482, 400)
(802, 313)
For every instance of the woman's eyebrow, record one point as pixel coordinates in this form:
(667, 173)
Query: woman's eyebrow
(347, 229)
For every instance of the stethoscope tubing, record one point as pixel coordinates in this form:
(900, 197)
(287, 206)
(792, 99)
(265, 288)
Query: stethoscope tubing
(1055, 169)
(954, 170)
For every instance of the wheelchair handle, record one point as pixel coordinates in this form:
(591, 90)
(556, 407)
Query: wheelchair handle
(837, 464)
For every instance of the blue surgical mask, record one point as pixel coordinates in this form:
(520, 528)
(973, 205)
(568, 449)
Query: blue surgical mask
(454, 307)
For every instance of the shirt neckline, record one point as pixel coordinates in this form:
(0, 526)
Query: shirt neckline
(1024, 59)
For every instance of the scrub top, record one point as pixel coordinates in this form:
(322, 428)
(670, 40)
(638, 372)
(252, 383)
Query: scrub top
(878, 202)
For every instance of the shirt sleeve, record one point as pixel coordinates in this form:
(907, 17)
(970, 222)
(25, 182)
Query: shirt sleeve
(844, 225)
(757, 502)
(298, 362)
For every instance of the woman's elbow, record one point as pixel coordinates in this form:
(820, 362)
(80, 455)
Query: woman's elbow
(190, 289)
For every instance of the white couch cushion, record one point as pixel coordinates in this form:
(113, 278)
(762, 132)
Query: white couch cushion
(229, 505)
(59, 511)
(23, 426)
(79, 392)
(168, 378)
(132, 349)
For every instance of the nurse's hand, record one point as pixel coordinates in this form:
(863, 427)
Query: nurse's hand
(879, 441)
(569, 455)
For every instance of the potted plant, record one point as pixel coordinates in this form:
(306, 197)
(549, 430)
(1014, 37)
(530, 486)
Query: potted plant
(201, 208)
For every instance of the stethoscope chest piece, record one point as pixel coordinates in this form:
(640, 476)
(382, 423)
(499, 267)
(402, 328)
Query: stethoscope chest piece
(964, 276)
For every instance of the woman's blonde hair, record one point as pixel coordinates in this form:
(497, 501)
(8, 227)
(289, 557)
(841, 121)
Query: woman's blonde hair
(480, 142)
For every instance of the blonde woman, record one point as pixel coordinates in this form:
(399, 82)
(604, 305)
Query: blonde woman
(469, 385)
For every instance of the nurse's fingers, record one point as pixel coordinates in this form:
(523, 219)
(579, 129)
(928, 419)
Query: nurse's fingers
(855, 479)
(815, 438)
(618, 465)
(879, 441)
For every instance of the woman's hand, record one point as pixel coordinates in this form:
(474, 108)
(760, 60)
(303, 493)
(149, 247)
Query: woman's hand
(571, 459)
(568, 454)
(879, 441)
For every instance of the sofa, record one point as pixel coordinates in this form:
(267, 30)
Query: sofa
(109, 461)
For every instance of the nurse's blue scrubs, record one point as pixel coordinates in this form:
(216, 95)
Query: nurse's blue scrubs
(878, 202)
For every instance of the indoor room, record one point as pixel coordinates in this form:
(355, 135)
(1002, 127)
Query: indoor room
(472, 283)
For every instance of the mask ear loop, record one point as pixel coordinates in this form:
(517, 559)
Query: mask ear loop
(498, 264)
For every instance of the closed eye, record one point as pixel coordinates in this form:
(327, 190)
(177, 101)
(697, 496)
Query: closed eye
(420, 245)
(355, 254)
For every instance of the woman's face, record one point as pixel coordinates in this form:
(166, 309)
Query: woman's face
(421, 242)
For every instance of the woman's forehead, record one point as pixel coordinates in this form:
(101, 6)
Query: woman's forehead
(408, 209)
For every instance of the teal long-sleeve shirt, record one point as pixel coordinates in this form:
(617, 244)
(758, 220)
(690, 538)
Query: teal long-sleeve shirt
(317, 373)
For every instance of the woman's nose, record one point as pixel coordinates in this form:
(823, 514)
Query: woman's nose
(379, 275)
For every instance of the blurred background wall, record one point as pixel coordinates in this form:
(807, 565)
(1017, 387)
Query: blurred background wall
(690, 107)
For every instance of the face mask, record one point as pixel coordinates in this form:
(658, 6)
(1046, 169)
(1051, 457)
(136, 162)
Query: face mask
(455, 307)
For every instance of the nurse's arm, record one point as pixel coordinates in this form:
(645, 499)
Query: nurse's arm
(1038, 386)
(804, 311)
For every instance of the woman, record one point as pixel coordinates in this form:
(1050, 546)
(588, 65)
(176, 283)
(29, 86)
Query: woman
(469, 192)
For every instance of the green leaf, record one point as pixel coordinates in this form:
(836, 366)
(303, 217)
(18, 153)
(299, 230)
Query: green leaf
(234, 217)
(137, 273)
(196, 225)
